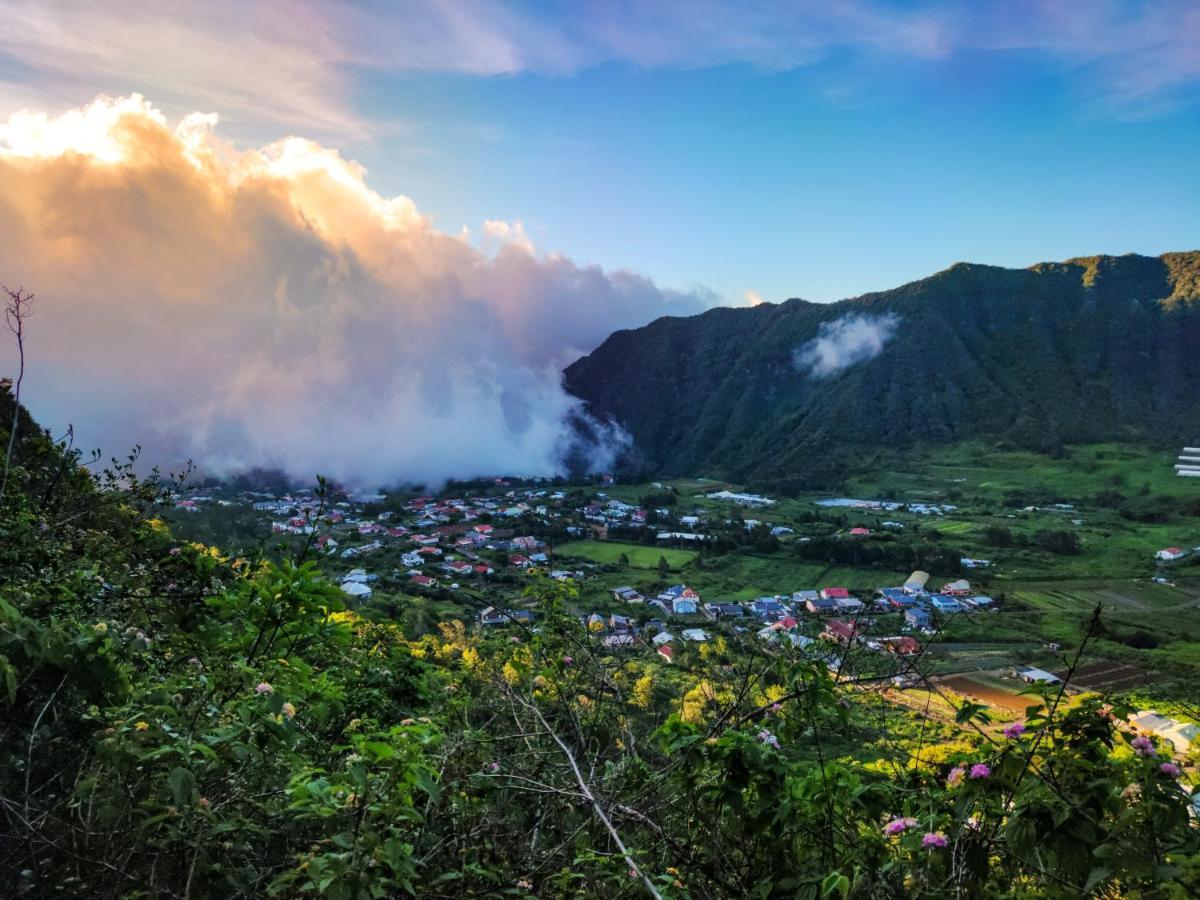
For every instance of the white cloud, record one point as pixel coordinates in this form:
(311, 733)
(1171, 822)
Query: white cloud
(845, 342)
(299, 62)
(267, 306)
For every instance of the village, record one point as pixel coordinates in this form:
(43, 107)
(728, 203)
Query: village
(468, 555)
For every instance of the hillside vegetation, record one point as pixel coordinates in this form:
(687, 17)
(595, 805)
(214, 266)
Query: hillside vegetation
(178, 723)
(1094, 349)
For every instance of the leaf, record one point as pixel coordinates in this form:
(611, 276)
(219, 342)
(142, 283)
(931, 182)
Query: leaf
(835, 882)
(182, 784)
(428, 785)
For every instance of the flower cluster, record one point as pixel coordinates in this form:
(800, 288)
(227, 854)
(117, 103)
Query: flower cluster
(897, 826)
(1014, 731)
(765, 737)
(1142, 746)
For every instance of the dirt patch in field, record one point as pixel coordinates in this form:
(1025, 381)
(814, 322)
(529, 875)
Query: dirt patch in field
(1105, 677)
(986, 693)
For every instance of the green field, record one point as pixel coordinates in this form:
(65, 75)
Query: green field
(639, 555)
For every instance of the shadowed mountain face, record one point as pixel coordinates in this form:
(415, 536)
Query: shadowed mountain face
(1090, 349)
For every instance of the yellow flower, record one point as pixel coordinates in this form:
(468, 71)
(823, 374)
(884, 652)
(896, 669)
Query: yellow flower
(289, 710)
(142, 726)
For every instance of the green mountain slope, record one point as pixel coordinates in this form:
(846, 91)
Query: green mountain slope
(1089, 349)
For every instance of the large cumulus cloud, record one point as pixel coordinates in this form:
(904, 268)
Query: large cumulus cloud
(265, 306)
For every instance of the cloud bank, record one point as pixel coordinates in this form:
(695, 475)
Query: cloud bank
(845, 342)
(266, 307)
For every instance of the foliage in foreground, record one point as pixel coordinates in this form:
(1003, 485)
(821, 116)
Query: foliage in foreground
(177, 723)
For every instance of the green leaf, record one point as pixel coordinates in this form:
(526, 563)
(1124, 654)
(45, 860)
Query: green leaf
(182, 785)
(835, 882)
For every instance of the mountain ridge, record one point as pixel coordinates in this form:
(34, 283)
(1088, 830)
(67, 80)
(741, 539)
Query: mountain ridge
(1091, 348)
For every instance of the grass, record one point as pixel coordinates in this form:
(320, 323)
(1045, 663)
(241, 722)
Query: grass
(639, 555)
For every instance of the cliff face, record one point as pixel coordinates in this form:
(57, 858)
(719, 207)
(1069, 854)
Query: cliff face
(1089, 349)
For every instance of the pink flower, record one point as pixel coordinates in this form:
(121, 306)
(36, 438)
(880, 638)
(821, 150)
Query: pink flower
(175, 551)
(765, 737)
(263, 688)
(775, 707)
(934, 839)
(979, 770)
(1015, 730)
(493, 766)
(1169, 769)
(896, 826)
(1143, 746)
(955, 776)
(567, 660)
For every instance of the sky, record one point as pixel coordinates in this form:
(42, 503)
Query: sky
(817, 150)
(451, 200)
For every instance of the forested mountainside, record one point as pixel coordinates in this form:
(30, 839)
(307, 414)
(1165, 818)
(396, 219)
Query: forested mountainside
(1089, 349)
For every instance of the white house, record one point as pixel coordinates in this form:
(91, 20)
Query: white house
(1170, 554)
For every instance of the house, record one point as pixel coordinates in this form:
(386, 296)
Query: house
(820, 605)
(896, 598)
(768, 608)
(423, 581)
(860, 532)
(1030, 675)
(667, 652)
(843, 633)
(493, 616)
(483, 569)
(944, 604)
(916, 582)
(521, 562)
(685, 606)
(979, 601)
(901, 646)
(680, 600)
(849, 605)
(835, 593)
(663, 637)
(917, 618)
(1181, 734)
(698, 635)
(959, 588)
(724, 610)
(1170, 554)
(968, 562)
(356, 589)
(626, 595)
(620, 623)
(801, 598)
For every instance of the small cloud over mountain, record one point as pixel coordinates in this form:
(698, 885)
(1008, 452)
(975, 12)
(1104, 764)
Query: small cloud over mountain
(845, 342)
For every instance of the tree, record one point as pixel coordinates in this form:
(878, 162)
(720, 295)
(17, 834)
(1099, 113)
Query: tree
(664, 568)
(17, 309)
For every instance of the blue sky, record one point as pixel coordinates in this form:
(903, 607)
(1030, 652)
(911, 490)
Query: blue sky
(740, 179)
(813, 150)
